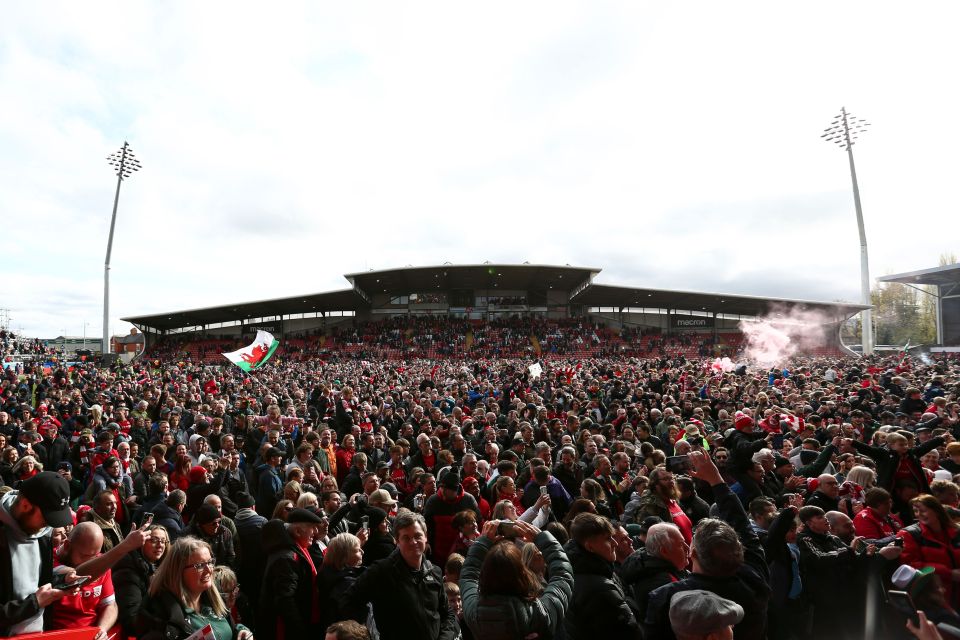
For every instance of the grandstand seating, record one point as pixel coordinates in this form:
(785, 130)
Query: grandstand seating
(437, 338)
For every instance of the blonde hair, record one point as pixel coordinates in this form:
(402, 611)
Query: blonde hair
(895, 438)
(169, 575)
(307, 499)
(339, 548)
(863, 476)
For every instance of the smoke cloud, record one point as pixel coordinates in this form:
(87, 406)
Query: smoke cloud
(724, 365)
(784, 332)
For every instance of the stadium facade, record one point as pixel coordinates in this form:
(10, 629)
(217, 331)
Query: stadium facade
(484, 292)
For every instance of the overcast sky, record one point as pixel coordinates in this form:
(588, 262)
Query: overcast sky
(674, 145)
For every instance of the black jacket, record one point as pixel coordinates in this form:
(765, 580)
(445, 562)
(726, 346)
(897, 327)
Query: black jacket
(642, 573)
(14, 611)
(250, 557)
(162, 617)
(286, 593)
(888, 460)
(169, 518)
(378, 547)
(332, 585)
(748, 587)
(598, 607)
(407, 605)
(822, 500)
(221, 543)
(131, 577)
(826, 563)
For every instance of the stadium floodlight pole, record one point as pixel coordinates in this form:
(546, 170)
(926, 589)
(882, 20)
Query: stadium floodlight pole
(125, 164)
(844, 131)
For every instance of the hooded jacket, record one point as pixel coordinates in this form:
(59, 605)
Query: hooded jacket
(500, 617)
(18, 602)
(439, 512)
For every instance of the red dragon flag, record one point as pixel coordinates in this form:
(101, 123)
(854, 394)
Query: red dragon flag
(256, 355)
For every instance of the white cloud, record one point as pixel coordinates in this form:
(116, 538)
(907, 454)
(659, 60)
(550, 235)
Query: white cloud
(673, 146)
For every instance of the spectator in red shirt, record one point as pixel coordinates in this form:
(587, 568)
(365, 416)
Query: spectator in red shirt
(875, 521)
(94, 605)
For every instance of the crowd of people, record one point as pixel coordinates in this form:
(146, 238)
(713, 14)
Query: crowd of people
(436, 337)
(605, 497)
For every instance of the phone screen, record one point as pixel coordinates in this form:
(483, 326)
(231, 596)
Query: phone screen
(58, 582)
(902, 602)
(777, 441)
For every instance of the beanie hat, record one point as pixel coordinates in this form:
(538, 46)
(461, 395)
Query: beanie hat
(780, 461)
(197, 475)
(742, 421)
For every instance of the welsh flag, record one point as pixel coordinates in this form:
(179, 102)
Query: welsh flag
(904, 353)
(256, 355)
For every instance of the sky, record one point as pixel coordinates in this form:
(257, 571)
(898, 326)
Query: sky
(673, 145)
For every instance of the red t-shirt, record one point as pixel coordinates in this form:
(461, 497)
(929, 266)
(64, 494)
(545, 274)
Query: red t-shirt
(681, 520)
(73, 612)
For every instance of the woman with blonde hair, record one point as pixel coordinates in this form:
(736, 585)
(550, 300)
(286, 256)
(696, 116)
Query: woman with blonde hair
(183, 597)
(24, 469)
(292, 491)
(308, 500)
(342, 564)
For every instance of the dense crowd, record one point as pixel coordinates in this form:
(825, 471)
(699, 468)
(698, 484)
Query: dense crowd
(603, 498)
(435, 337)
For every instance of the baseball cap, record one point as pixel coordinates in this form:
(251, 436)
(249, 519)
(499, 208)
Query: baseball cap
(381, 496)
(51, 494)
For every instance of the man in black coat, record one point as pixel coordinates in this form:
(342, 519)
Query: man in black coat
(662, 560)
(727, 558)
(828, 567)
(599, 607)
(251, 560)
(289, 580)
(406, 590)
(827, 495)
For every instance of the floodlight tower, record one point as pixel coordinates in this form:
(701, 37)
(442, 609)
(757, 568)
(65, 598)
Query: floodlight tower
(125, 164)
(844, 131)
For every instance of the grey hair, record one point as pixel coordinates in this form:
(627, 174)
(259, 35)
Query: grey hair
(658, 538)
(763, 454)
(718, 547)
(406, 518)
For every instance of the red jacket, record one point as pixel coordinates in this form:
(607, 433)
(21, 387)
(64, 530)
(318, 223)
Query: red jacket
(344, 460)
(924, 548)
(439, 512)
(871, 525)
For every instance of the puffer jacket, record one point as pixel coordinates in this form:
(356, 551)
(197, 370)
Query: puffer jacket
(599, 606)
(924, 548)
(500, 617)
(642, 573)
